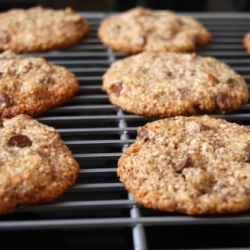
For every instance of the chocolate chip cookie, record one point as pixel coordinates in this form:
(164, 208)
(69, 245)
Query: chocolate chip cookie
(142, 29)
(36, 165)
(30, 85)
(40, 29)
(191, 165)
(172, 83)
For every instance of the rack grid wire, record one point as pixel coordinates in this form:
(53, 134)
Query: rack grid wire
(97, 212)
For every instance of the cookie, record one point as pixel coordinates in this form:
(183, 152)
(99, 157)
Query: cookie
(36, 165)
(30, 85)
(142, 29)
(246, 42)
(191, 165)
(172, 83)
(40, 29)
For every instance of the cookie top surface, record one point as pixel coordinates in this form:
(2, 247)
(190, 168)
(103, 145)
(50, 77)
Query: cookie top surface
(30, 85)
(36, 165)
(192, 165)
(172, 83)
(40, 29)
(141, 29)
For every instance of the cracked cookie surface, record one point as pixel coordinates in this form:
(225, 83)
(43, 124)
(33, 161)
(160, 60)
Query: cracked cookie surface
(40, 29)
(30, 85)
(36, 166)
(172, 83)
(142, 29)
(191, 165)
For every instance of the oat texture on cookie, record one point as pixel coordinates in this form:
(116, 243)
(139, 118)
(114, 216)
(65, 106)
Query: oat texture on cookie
(191, 165)
(40, 29)
(32, 85)
(171, 83)
(36, 165)
(142, 29)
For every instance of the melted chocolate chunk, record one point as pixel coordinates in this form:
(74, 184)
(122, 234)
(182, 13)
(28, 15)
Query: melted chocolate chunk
(221, 100)
(197, 109)
(231, 81)
(19, 140)
(5, 101)
(201, 127)
(185, 163)
(117, 88)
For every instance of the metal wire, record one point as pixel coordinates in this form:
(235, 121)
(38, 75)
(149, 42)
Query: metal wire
(98, 133)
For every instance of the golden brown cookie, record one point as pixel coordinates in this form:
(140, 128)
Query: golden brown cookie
(192, 165)
(172, 83)
(40, 29)
(141, 29)
(30, 85)
(36, 165)
(246, 42)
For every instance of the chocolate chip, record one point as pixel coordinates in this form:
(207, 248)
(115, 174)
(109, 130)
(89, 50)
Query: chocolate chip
(221, 101)
(19, 140)
(186, 162)
(167, 72)
(232, 81)
(5, 36)
(142, 134)
(201, 127)
(117, 88)
(197, 109)
(5, 101)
